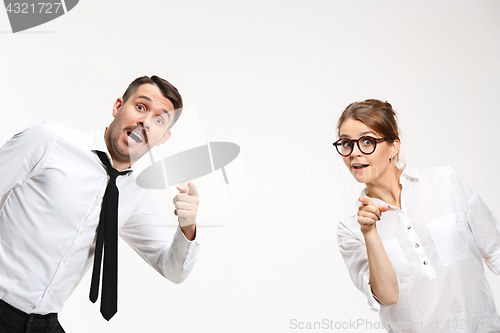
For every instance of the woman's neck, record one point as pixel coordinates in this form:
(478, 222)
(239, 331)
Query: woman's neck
(387, 187)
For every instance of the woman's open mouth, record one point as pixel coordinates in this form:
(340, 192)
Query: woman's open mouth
(360, 167)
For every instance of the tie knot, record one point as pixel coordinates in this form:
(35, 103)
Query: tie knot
(112, 172)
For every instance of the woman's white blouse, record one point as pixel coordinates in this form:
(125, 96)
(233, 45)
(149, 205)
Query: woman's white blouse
(436, 242)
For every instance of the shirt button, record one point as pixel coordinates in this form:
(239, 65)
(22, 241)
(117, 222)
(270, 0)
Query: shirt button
(96, 203)
(48, 291)
(416, 245)
(408, 227)
(81, 232)
(425, 262)
(65, 260)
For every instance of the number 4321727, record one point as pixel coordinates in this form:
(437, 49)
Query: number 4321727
(34, 8)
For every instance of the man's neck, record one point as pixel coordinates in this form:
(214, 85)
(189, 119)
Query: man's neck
(118, 164)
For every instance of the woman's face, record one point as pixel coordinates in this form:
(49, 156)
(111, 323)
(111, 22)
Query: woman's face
(367, 168)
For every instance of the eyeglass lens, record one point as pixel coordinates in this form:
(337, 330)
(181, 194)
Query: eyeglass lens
(366, 145)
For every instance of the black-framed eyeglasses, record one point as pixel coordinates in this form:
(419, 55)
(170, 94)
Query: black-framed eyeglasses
(366, 145)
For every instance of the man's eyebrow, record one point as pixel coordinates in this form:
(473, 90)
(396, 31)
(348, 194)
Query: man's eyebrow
(168, 113)
(150, 100)
(145, 97)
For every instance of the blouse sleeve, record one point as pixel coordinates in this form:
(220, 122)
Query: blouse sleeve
(353, 251)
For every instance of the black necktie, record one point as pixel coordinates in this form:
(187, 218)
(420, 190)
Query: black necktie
(107, 236)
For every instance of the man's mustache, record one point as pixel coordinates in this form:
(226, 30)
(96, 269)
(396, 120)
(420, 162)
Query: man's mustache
(145, 135)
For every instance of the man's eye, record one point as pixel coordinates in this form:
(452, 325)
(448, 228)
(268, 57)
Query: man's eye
(159, 121)
(140, 107)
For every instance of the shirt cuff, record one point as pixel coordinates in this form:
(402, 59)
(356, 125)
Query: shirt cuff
(373, 304)
(493, 262)
(190, 248)
(181, 238)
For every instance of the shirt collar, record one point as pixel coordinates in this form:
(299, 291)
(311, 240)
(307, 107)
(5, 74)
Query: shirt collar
(409, 173)
(97, 143)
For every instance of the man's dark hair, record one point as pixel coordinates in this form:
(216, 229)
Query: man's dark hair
(167, 89)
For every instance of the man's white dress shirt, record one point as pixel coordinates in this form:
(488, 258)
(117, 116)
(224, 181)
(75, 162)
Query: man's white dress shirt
(436, 242)
(52, 184)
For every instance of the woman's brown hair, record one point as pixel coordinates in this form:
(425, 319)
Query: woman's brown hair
(377, 115)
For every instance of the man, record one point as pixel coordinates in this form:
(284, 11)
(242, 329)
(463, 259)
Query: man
(59, 200)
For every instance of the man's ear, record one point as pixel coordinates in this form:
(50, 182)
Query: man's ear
(166, 136)
(117, 105)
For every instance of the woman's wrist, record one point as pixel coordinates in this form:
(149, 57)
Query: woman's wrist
(368, 232)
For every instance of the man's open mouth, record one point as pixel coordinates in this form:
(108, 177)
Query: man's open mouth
(135, 137)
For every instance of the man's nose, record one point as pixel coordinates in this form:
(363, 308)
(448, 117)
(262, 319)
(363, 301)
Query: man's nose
(145, 124)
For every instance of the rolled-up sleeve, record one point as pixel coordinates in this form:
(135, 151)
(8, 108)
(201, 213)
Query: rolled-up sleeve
(148, 235)
(483, 225)
(353, 251)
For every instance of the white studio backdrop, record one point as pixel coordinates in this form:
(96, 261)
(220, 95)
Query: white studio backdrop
(272, 77)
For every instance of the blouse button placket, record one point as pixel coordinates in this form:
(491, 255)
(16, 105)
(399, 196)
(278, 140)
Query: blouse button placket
(419, 249)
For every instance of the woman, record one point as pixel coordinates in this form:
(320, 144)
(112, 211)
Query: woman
(415, 241)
